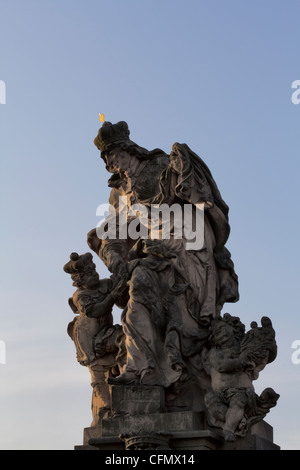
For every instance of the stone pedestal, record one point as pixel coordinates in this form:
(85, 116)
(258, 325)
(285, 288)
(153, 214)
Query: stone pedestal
(139, 421)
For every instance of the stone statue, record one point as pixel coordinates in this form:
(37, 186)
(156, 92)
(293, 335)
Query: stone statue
(164, 243)
(99, 343)
(235, 360)
(173, 292)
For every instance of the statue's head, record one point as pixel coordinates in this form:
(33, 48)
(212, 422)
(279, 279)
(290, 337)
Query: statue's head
(112, 135)
(227, 331)
(82, 270)
(118, 151)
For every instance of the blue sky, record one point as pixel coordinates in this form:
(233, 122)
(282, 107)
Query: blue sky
(215, 75)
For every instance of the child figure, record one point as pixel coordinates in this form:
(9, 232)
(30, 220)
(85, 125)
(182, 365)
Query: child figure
(98, 342)
(232, 387)
(234, 361)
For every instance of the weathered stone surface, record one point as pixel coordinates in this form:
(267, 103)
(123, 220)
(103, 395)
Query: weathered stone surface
(182, 431)
(91, 433)
(205, 439)
(137, 400)
(263, 430)
(159, 422)
(249, 442)
(87, 447)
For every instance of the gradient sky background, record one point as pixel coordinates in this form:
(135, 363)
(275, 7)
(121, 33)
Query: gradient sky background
(216, 75)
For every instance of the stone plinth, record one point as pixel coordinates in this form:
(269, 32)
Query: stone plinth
(138, 421)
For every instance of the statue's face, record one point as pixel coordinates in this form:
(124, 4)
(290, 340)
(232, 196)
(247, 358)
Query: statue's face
(117, 160)
(88, 279)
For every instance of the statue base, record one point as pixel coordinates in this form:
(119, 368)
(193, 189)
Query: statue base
(139, 421)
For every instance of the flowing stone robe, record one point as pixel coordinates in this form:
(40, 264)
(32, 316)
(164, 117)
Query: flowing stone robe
(174, 293)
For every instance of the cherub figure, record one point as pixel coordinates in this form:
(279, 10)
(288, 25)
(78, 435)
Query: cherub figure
(98, 342)
(234, 361)
(260, 346)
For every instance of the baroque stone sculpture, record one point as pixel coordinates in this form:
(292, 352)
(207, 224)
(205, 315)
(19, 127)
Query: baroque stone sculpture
(98, 342)
(163, 242)
(234, 361)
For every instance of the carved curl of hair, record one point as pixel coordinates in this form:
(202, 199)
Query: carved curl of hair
(238, 328)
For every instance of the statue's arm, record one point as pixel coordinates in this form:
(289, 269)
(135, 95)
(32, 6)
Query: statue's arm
(100, 308)
(225, 364)
(113, 250)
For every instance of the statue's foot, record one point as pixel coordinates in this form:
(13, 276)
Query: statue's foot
(124, 379)
(229, 436)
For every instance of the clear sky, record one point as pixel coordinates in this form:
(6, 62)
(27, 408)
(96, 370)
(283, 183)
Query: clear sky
(216, 75)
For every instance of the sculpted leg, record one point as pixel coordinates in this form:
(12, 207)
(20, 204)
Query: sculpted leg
(101, 399)
(234, 415)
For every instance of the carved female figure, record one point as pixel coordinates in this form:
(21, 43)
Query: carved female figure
(173, 292)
